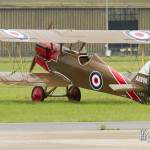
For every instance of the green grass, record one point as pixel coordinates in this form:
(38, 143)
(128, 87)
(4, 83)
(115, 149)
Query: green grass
(16, 105)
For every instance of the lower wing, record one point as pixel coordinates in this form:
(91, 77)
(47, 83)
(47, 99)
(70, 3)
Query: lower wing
(34, 79)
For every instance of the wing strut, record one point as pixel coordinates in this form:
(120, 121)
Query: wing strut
(70, 47)
(61, 46)
(82, 46)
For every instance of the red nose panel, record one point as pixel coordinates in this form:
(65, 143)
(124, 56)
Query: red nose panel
(40, 61)
(48, 51)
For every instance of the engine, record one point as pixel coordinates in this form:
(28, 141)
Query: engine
(46, 52)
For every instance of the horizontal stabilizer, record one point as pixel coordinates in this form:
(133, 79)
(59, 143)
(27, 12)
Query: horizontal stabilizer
(124, 87)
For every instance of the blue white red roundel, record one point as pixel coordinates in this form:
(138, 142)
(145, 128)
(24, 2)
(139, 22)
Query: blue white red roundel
(139, 35)
(96, 80)
(16, 34)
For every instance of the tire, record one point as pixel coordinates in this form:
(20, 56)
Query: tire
(38, 94)
(74, 94)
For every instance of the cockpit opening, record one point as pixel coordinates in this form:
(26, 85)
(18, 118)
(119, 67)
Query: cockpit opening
(84, 59)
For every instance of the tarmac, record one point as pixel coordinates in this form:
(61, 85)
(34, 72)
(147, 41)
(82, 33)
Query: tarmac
(75, 136)
(63, 126)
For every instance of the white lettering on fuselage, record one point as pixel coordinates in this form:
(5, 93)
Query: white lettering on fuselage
(141, 79)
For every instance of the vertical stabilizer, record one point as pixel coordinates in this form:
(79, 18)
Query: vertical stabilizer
(142, 77)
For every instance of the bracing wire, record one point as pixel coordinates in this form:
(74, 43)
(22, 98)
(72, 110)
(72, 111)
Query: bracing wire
(20, 56)
(137, 58)
(12, 64)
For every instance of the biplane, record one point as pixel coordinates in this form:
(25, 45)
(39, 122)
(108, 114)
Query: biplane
(74, 69)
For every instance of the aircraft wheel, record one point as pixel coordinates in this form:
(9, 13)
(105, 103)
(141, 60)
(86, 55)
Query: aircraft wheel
(38, 94)
(74, 94)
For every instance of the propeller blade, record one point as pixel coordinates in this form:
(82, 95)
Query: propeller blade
(50, 26)
(32, 65)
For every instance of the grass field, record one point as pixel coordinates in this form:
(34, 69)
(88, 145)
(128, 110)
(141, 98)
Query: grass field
(16, 105)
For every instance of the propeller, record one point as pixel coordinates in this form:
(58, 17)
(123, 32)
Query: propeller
(32, 65)
(33, 61)
(50, 26)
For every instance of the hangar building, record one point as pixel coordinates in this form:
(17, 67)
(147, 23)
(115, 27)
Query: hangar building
(74, 14)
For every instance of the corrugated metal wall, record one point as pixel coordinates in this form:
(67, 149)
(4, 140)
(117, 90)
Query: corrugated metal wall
(144, 24)
(60, 18)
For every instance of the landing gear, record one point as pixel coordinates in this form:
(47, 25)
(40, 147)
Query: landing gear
(74, 94)
(39, 94)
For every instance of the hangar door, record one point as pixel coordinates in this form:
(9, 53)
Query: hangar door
(122, 19)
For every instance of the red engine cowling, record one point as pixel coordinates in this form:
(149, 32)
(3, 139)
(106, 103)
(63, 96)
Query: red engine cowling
(46, 52)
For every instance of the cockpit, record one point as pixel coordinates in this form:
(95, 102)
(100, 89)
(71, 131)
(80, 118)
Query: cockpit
(84, 59)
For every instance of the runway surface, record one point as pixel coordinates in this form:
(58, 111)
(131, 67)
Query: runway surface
(72, 136)
(124, 125)
(73, 140)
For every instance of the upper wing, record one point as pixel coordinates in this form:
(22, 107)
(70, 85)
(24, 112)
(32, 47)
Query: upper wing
(33, 79)
(74, 36)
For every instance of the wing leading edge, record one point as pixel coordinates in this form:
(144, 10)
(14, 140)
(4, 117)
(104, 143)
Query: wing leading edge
(74, 36)
(33, 79)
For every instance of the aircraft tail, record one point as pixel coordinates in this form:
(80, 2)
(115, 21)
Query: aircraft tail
(143, 77)
(139, 88)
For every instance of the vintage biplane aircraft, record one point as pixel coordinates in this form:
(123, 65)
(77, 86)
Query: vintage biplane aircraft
(73, 69)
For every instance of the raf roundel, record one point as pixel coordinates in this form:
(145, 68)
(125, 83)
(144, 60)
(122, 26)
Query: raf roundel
(96, 80)
(16, 34)
(139, 35)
